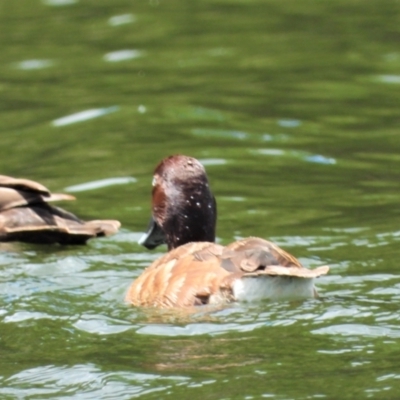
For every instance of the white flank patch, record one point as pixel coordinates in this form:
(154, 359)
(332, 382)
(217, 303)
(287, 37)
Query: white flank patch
(272, 287)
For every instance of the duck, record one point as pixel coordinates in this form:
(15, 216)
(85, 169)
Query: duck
(196, 271)
(27, 216)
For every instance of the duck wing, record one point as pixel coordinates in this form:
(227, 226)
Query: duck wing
(23, 184)
(25, 215)
(11, 198)
(255, 256)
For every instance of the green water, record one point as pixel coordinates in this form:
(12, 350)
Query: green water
(293, 106)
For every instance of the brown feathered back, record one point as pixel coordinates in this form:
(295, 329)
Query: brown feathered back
(204, 273)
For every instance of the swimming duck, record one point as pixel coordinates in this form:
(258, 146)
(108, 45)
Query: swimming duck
(196, 271)
(26, 216)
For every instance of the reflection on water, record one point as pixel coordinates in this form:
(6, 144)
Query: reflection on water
(122, 55)
(390, 79)
(315, 158)
(213, 161)
(121, 19)
(359, 330)
(85, 381)
(220, 133)
(59, 2)
(196, 113)
(293, 109)
(34, 64)
(101, 325)
(100, 184)
(84, 116)
(289, 123)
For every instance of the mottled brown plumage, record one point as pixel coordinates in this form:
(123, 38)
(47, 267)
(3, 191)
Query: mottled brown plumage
(26, 216)
(197, 272)
(203, 273)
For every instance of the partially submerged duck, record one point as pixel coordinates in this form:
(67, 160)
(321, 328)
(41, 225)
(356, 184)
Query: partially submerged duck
(26, 216)
(196, 271)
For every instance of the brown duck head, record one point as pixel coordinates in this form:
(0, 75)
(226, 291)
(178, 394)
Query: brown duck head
(183, 206)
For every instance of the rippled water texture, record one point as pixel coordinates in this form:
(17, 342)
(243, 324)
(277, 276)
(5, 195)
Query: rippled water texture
(292, 106)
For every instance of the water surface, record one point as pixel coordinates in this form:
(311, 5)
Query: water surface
(293, 107)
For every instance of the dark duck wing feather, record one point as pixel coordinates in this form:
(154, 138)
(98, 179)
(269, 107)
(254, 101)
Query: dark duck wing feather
(27, 216)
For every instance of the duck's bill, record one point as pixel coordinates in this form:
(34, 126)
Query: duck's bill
(153, 237)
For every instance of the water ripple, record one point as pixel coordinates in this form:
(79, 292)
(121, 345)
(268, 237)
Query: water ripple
(85, 380)
(289, 123)
(213, 161)
(34, 64)
(82, 187)
(196, 113)
(220, 133)
(101, 325)
(122, 55)
(196, 329)
(84, 116)
(27, 315)
(123, 19)
(303, 155)
(391, 79)
(58, 3)
(358, 330)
